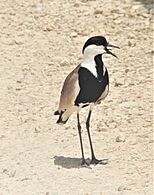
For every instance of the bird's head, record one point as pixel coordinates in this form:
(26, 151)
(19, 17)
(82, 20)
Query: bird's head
(98, 45)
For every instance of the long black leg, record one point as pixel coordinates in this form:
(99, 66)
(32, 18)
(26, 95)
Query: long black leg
(79, 130)
(93, 158)
(88, 126)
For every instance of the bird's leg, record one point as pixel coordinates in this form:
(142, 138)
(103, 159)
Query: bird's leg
(93, 158)
(88, 130)
(79, 130)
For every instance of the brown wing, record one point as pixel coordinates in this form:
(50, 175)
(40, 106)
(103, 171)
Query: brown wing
(104, 94)
(69, 91)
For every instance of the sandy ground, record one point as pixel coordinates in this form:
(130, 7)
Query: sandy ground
(40, 44)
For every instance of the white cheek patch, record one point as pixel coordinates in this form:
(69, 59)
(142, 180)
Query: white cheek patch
(88, 59)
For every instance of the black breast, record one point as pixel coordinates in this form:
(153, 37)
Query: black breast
(91, 87)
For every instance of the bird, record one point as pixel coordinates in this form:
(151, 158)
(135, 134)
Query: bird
(86, 85)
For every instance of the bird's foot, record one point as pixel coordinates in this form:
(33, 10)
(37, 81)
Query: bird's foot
(84, 163)
(95, 161)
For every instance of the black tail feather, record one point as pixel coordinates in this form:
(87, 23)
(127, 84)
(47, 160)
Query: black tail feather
(56, 113)
(60, 121)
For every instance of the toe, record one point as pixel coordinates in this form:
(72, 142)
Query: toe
(96, 161)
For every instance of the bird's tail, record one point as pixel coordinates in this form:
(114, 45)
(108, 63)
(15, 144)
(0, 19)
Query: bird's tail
(64, 115)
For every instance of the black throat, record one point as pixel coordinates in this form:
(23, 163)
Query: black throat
(99, 66)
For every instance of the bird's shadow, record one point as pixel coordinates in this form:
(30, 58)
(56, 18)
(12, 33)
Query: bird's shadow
(68, 162)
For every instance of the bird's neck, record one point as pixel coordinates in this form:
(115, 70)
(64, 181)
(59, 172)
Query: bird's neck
(94, 64)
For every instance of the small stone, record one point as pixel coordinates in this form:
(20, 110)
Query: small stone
(126, 70)
(117, 84)
(18, 81)
(102, 129)
(2, 136)
(151, 141)
(123, 188)
(96, 12)
(18, 89)
(65, 63)
(116, 11)
(47, 28)
(25, 179)
(131, 44)
(19, 41)
(76, 4)
(131, 36)
(120, 138)
(74, 34)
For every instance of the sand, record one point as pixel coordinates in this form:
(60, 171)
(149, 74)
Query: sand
(41, 42)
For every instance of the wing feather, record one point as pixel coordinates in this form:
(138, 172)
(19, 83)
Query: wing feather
(70, 90)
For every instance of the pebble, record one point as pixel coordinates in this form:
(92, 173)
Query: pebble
(74, 34)
(65, 62)
(151, 141)
(19, 41)
(48, 28)
(117, 84)
(96, 12)
(120, 138)
(131, 44)
(102, 129)
(126, 70)
(76, 5)
(122, 188)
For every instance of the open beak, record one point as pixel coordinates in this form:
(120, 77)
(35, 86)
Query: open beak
(109, 50)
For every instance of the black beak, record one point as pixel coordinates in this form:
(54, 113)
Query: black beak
(110, 45)
(109, 50)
